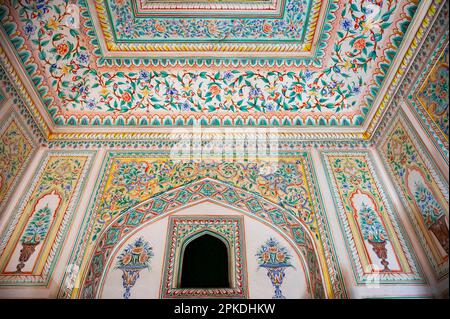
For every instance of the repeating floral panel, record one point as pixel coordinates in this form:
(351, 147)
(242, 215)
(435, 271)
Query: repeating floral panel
(31, 242)
(422, 190)
(373, 235)
(16, 149)
(76, 92)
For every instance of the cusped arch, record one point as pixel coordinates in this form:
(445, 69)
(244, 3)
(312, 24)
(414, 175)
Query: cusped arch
(192, 238)
(162, 205)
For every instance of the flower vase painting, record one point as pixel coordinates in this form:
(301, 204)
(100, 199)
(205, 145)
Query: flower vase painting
(133, 259)
(374, 233)
(37, 229)
(35, 232)
(431, 210)
(275, 259)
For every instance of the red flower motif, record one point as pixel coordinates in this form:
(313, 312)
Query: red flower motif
(298, 89)
(126, 97)
(360, 44)
(214, 90)
(160, 28)
(62, 49)
(267, 28)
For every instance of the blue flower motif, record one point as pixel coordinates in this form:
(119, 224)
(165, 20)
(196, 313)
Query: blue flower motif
(255, 93)
(228, 76)
(29, 29)
(82, 88)
(41, 8)
(270, 107)
(346, 24)
(144, 75)
(185, 106)
(172, 91)
(83, 58)
(90, 103)
(356, 89)
(308, 75)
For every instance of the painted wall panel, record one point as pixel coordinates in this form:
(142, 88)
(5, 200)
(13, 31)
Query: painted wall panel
(16, 149)
(373, 234)
(422, 189)
(35, 235)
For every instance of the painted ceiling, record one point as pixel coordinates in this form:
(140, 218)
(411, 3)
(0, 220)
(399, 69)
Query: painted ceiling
(143, 64)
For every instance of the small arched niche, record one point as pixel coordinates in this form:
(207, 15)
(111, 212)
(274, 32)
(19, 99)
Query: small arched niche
(205, 262)
(205, 257)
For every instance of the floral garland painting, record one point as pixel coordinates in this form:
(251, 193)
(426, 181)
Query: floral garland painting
(131, 261)
(275, 259)
(78, 92)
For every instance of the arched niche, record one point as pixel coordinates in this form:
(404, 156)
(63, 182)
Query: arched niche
(205, 262)
(161, 206)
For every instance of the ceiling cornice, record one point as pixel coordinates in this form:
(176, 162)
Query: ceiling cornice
(24, 86)
(422, 19)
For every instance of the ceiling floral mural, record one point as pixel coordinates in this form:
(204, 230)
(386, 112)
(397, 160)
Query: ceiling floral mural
(67, 49)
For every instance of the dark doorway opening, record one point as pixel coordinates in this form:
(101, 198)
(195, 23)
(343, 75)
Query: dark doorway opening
(205, 264)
